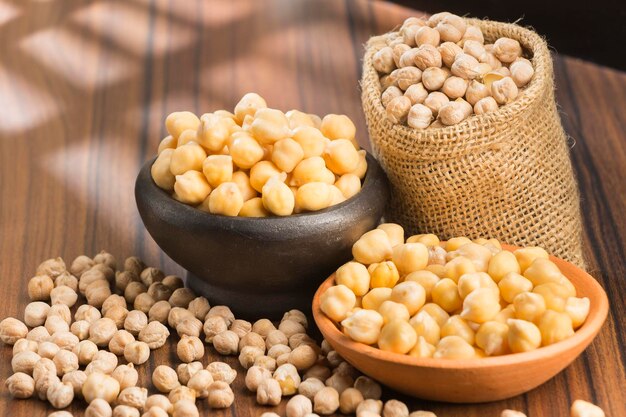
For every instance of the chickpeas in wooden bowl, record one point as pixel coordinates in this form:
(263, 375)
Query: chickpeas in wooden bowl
(259, 206)
(457, 321)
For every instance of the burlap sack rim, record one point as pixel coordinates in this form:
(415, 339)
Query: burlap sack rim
(469, 135)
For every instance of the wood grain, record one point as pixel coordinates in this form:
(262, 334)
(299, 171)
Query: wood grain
(85, 86)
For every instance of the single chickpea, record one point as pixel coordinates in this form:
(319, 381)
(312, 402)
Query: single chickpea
(135, 322)
(248, 105)
(355, 276)
(507, 50)
(154, 335)
(374, 246)
(76, 379)
(326, 401)
(492, 338)
(226, 200)
(189, 349)
(310, 386)
(100, 386)
(277, 197)
(35, 314)
(97, 292)
(311, 141)
(185, 408)
(522, 71)
(513, 284)
(288, 378)
(38, 334)
(56, 324)
(383, 60)
(159, 401)
(63, 295)
(582, 408)
(529, 306)
(133, 397)
(119, 341)
(226, 343)
(160, 170)
(426, 327)
(391, 310)
(269, 126)
(435, 100)
(159, 311)
(165, 379)
(312, 169)
(125, 411)
(242, 181)
(422, 349)
(98, 408)
(456, 326)
(287, 154)
(445, 294)
(218, 169)
(578, 310)
(220, 395)
(182, 393)
(40, 287)
(136, 352)
(20, 385)
(554, 327)
(426, 36)
(191, 187)
(481, 305)
(65, 362)
(349, 184)
(398, 109)
(337, 301)
(269, 392)
(303, 357)
(434, 78)
(81, 264)
(23, 345)
(101, 331)
(125, 375)
(178, 122)
(454, 347)
(313, 196)
(523, 336)
(375, 297)
(65, 340)
(397, 336)
(221, 371)
(213, 132)
(504, 91)
(390, 93)
(254, 377)
(465, 66)
(200, 382)
(338, 126)
(340, 156)
(420, 116)
(370, 407)
(363, 326)
(245, 150)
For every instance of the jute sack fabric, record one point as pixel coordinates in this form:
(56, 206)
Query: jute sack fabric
(505, 174)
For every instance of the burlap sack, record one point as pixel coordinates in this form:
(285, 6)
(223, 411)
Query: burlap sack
(506, 174)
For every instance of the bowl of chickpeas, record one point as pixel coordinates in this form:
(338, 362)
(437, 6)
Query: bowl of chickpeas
(457, 321)
(259, 206)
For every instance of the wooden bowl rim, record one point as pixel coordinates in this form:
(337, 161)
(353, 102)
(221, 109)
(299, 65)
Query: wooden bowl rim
(599, 306)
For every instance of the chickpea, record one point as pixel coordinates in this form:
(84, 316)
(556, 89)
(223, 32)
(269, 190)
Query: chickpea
(185, 408)
(445, 294)
(491, 337)
(426, 327)
(363, 326)
(481, 305)
(20, 385)
(191, 187)
(375, 297)
(435, 100)
(485, 105)
(178, 122)
(245, 150)
(504, 91)
(277, 197)
(39, 288)
(582, 408)
(554, 327)
(269, 392)
(125, 411)
(529, 306)
(159, 401)
(226, 200)
(337, 301)
(24, 362)
(189, 349)
(312, 169)
(422, 349)
(137, 352)
(523, 336)
(397, 336)
(383, 60)
(165, 378)
(221, 371)
(125, 375)
(522, 71)
(269, 126)
(456, 326)
(369, 407)
(38, 334)
(326, 401)
(577, 309)
(248, 105)
(23, 345)
(220, 395)
(226, 343)
(288, 378)
(398, 109)
(182, 393)
(338, 126)
(65, 340)
(313, 196)
(160, 171)
(507, 50)
(100, 386)
(454, 347)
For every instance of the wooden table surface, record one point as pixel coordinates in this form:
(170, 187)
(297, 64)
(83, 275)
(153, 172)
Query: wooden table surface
(86, 85)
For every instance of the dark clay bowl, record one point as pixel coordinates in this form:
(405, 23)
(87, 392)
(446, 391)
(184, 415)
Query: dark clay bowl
(260, 267)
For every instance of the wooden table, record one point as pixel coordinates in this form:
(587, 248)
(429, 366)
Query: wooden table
(85, 87)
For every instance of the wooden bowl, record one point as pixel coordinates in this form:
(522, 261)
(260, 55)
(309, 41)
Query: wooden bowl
(471, 380)
(260, 267)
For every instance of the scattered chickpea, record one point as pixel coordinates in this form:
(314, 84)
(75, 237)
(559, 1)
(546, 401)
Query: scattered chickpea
(221, 371)
(220, 395)
(20, 385)
(326, 401)
(100, 386)
(269, 392)
(226, 343)
(137, 352)
(98, 408)
(154, 334)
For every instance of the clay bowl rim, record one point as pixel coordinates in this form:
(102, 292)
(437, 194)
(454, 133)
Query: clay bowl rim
(598, 312)
(367, 185)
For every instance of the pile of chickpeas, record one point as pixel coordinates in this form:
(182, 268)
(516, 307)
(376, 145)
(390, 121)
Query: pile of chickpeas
(258, 161)
(438, 72)
(90, 327)
(458, 299)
